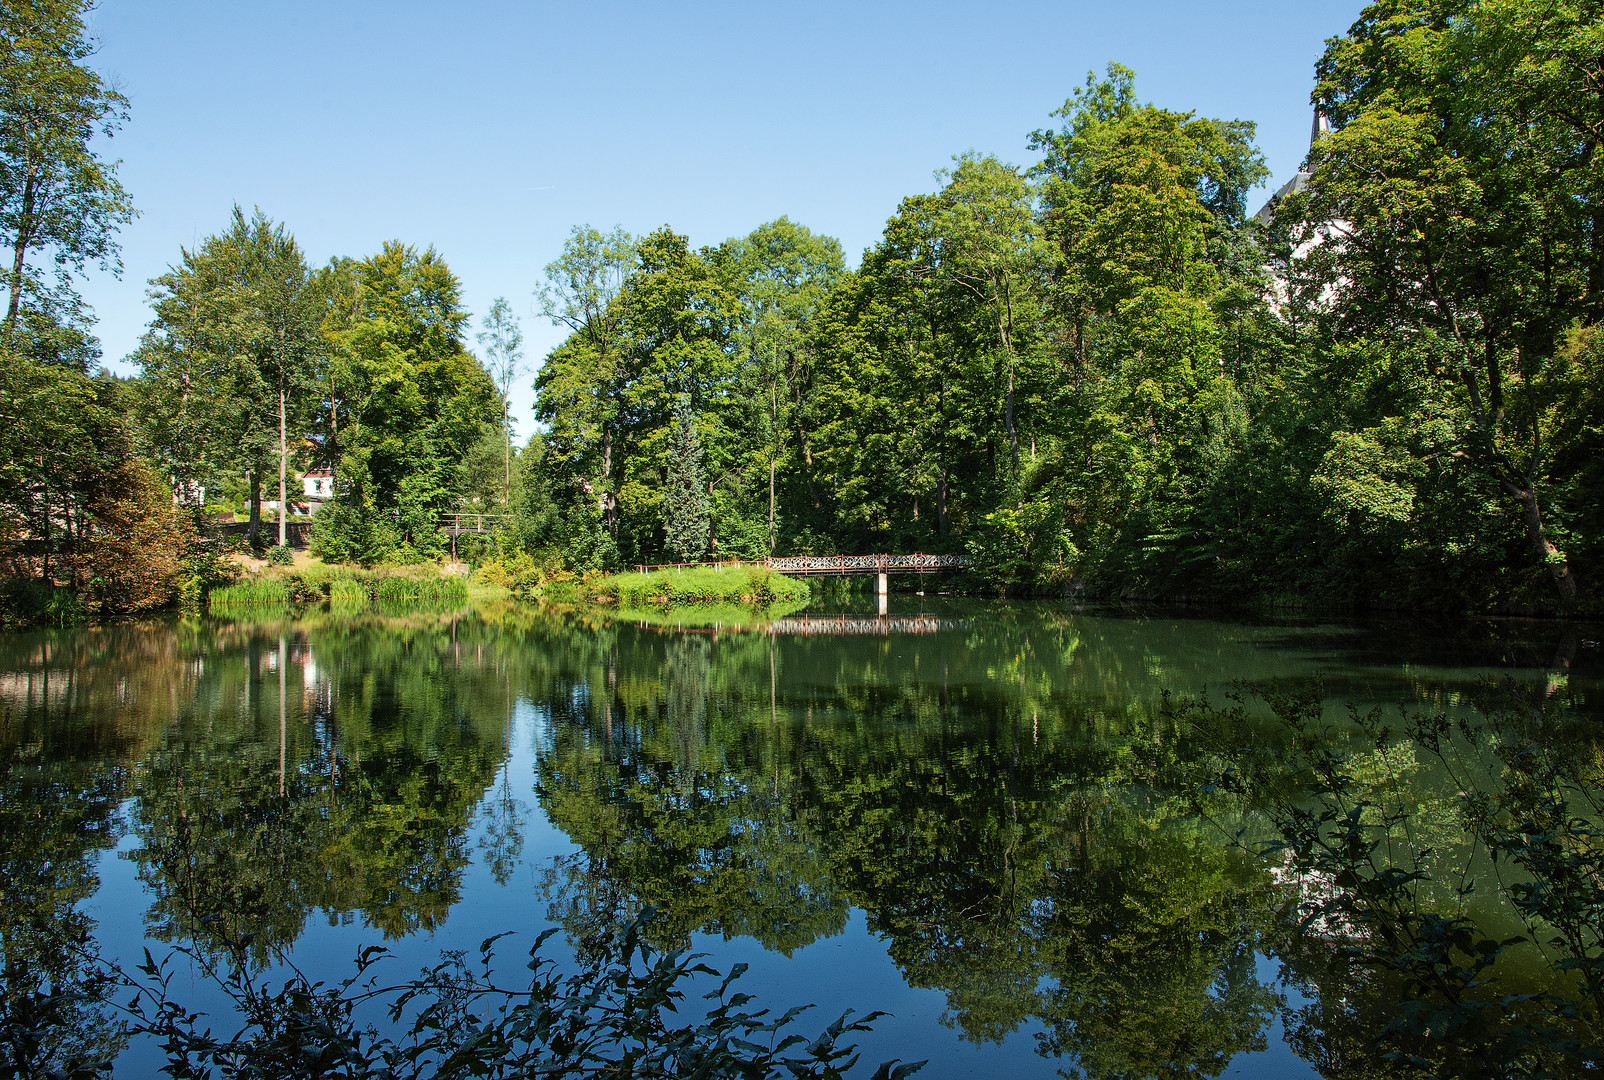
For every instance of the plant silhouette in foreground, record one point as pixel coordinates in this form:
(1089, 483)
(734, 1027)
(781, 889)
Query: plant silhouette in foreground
(617, 1015)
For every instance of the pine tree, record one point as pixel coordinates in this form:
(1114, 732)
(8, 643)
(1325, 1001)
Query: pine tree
(685, 513)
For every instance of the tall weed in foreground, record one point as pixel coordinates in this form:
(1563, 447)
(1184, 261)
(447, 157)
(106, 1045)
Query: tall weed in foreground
(1384, 870)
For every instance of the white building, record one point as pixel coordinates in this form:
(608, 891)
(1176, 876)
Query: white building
(318, 488)
(1305, 239)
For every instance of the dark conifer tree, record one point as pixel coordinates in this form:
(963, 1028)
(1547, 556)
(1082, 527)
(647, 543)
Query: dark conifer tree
(685, 512)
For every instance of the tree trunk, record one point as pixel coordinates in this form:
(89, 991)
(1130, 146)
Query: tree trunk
(283, 470)
(334, 438)
(772, 463)
(1558, 567)
(506, 434)
(604, 498)
(19, 256)
(712, 526)
(1004, 328)
(256, 507)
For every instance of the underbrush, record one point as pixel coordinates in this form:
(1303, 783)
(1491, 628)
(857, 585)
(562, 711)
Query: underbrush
(33, 602)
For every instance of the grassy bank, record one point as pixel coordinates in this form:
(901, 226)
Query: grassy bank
(723, 617)
(346, 588)
(753, 585)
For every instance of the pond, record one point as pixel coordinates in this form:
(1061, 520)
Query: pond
(964, 813)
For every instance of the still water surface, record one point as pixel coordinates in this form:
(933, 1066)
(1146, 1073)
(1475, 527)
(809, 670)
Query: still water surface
(960, 813)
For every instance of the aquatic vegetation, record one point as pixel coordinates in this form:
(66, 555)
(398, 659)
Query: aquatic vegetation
(257, 590)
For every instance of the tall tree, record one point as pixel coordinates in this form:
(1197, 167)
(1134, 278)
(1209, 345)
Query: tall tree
(1148, 208)
(784, 272)
(56, 194)
(503, 341)
(414, 401)
(578, 386)
(608, 390)
(685, 516)
(230, 360)
(1460, 188)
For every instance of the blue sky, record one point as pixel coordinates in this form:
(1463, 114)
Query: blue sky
(489, 129)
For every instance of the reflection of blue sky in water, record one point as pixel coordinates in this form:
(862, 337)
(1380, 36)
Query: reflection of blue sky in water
(854, 761)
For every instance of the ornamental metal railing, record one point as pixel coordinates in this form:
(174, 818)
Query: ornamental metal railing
(867, 564)
(827, 564)
(881, 625)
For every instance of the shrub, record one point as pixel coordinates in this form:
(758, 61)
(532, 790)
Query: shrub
(281, 555)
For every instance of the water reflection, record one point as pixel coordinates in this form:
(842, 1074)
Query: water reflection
(996, 788)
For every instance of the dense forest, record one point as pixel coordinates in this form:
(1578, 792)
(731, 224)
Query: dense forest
(1098, 371)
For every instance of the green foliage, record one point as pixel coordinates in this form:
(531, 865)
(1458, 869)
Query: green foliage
(82, 508)
(228, 367)
(57, 196)
(264, 590)
(32, 602)
(347, 593)
(405, 401)
(440, 588)
(281, 555)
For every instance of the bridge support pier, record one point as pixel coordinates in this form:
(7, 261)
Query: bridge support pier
(881, 588)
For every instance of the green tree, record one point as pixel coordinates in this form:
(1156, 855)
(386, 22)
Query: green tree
(1460, 205)
(685, 517)
(785, 274)
(608, 391)
(413, 399)
(56, 194)
(578, 388)
(1148, 208)
(231, 358)
(503, 339)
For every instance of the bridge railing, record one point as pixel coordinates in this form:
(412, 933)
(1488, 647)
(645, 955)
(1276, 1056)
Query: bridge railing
(867, 564)
(829, 564)
(460, 522)
(651, 568)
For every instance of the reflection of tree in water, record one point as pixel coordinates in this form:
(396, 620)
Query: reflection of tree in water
(1153, 924)
(340, 773)
(685, 687)
(502, 818)
(1004, 804)
(631, 777)
(1012, 849)
(60, 785)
